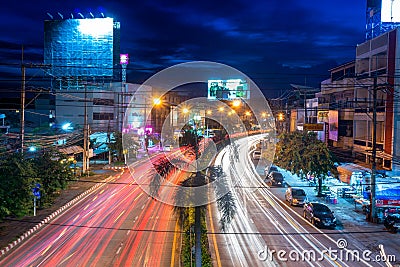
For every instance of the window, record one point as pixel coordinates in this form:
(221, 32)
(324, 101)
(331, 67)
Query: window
(103, 102)
(102, 116)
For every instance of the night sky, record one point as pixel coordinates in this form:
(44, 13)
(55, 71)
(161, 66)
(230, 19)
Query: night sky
(275, 43)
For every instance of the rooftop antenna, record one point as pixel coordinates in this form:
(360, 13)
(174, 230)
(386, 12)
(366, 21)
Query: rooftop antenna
(80, 14)
(48, 14)
(61, 16)
(391, 11)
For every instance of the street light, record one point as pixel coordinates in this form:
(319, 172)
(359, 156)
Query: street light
(281, 117)
(156, 101)
(66, 126)
(236, 103)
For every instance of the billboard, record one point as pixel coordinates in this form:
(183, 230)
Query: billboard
(228, 89)
(79, 47)
(390, 11)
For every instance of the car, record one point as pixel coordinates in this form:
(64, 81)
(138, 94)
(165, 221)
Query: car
(274, 178)
(392, 222)
(272, 168)
(319, 215)
(257, 154)
(296, 196)
(167, 148)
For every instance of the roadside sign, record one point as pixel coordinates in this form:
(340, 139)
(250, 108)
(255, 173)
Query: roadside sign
(36, 191)
(313, 127)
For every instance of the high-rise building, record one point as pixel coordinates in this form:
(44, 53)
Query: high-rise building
(381, 16)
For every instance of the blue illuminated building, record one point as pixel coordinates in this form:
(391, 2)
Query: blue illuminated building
(381, 16)
(84, 55)
(82, 51)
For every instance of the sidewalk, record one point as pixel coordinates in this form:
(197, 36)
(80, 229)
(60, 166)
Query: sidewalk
(347, 213)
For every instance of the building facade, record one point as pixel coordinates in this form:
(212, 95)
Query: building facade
(337, 94)
(377, 64)
(356, 90)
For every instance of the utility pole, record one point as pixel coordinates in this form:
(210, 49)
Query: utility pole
(85, 160)
(22, 124)
(305, 108)
(373, 169)
(23, 95)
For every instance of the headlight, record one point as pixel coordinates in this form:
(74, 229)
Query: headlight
(317, 219)
(295, 200)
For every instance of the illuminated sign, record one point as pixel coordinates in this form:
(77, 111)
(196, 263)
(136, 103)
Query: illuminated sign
(333, 125)
(228, 89)
(390, 11)
(79, 47)
(123, 59)
(98, 27)
(314, 127)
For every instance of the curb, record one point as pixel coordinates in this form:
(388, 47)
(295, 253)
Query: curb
(116, 168)
(51, 217)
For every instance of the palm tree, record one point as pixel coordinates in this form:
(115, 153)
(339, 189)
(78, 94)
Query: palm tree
(226, 203)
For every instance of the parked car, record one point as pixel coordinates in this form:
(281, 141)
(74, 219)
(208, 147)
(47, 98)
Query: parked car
(392, 222)
(296, 196)
(272, 168)
(319, 215)
(274, 178)
(257, 154)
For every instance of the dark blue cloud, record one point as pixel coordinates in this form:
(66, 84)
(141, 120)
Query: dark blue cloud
(275, 42)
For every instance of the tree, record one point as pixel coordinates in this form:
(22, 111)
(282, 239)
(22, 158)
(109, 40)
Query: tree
(54, 173)
(17, 176)
(191, 215)
(116, 145)
(302, 153)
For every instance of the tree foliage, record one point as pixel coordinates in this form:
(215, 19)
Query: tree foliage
(19, 174)
(302, 153)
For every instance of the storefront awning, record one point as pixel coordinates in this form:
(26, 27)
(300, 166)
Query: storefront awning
(71, 150)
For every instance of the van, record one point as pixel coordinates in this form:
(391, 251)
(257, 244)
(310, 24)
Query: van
(257, 154)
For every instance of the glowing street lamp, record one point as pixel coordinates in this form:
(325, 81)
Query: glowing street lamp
(236, 103)
(156, 101)
(281, 117)
(66, 126)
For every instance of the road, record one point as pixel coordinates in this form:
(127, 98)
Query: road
(118, 224)
(266, 232)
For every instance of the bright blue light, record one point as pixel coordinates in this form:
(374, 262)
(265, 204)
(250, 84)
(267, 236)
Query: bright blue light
(66, 126)
(99, 27)
(32, 149)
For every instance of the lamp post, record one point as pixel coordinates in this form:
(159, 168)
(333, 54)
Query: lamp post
(124, 61)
